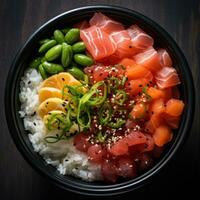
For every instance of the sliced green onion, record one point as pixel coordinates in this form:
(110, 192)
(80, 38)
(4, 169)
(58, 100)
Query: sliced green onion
(113, 83)
(91, 92)
(105, 114)
(98, 100)
(120, 97)
(52, 120)
(101, 138)
(74, 90)
(83, 116)
(123, 81)
(59, 121)
(57, 138)
(73, 106)
(67, 121)
(117, 124)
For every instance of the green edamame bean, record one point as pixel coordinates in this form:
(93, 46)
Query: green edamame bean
(52, 68)
(83, 60)
(65, 30)
(46, 46)
(35, 63)
(67, 54)
(54, 52)
(72, 36)
(78, 47)
(42, 71)
(44, 41)
(59, 37)
(77, 73)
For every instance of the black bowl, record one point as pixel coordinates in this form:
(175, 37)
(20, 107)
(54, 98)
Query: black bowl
(12, 104)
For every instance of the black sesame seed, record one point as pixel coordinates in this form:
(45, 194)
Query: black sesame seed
(130, 46)
(29, 82)
(34, 123)
(63, 79)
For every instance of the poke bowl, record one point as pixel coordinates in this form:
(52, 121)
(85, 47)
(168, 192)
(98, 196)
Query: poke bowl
(99, 99)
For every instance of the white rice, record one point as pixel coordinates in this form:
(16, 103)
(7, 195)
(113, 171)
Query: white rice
(63, 155)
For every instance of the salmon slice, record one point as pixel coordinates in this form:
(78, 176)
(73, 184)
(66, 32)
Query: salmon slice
(105, 23)
(128, 62)
(162, 135)
(172, 121)
(174, 107)
(165, 59)
(167, 77)
(138, 72)
(97, 42)
(157, 107)
(140, 40)
(82, 25)
(149, 59)
(155, 93)
(124, 44)
(135, 86)
(154, 122)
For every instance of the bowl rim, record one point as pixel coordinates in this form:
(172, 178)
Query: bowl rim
(108, 189)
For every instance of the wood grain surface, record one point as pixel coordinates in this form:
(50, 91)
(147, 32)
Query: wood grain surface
(18, 19)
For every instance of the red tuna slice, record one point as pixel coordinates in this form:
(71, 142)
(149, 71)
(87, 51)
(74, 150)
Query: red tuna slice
(135, 138)
(109, 171)
(149, 59)
(139, 38)
(167, 77)
(97, 42)
(126, 167)
(165, 59)
(105, 23)
(82, 25)
(124, 44)
(119, 148)
(81, 142)
(95, 153)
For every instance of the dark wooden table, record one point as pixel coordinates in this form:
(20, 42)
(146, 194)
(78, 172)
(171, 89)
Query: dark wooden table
(18, 19)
